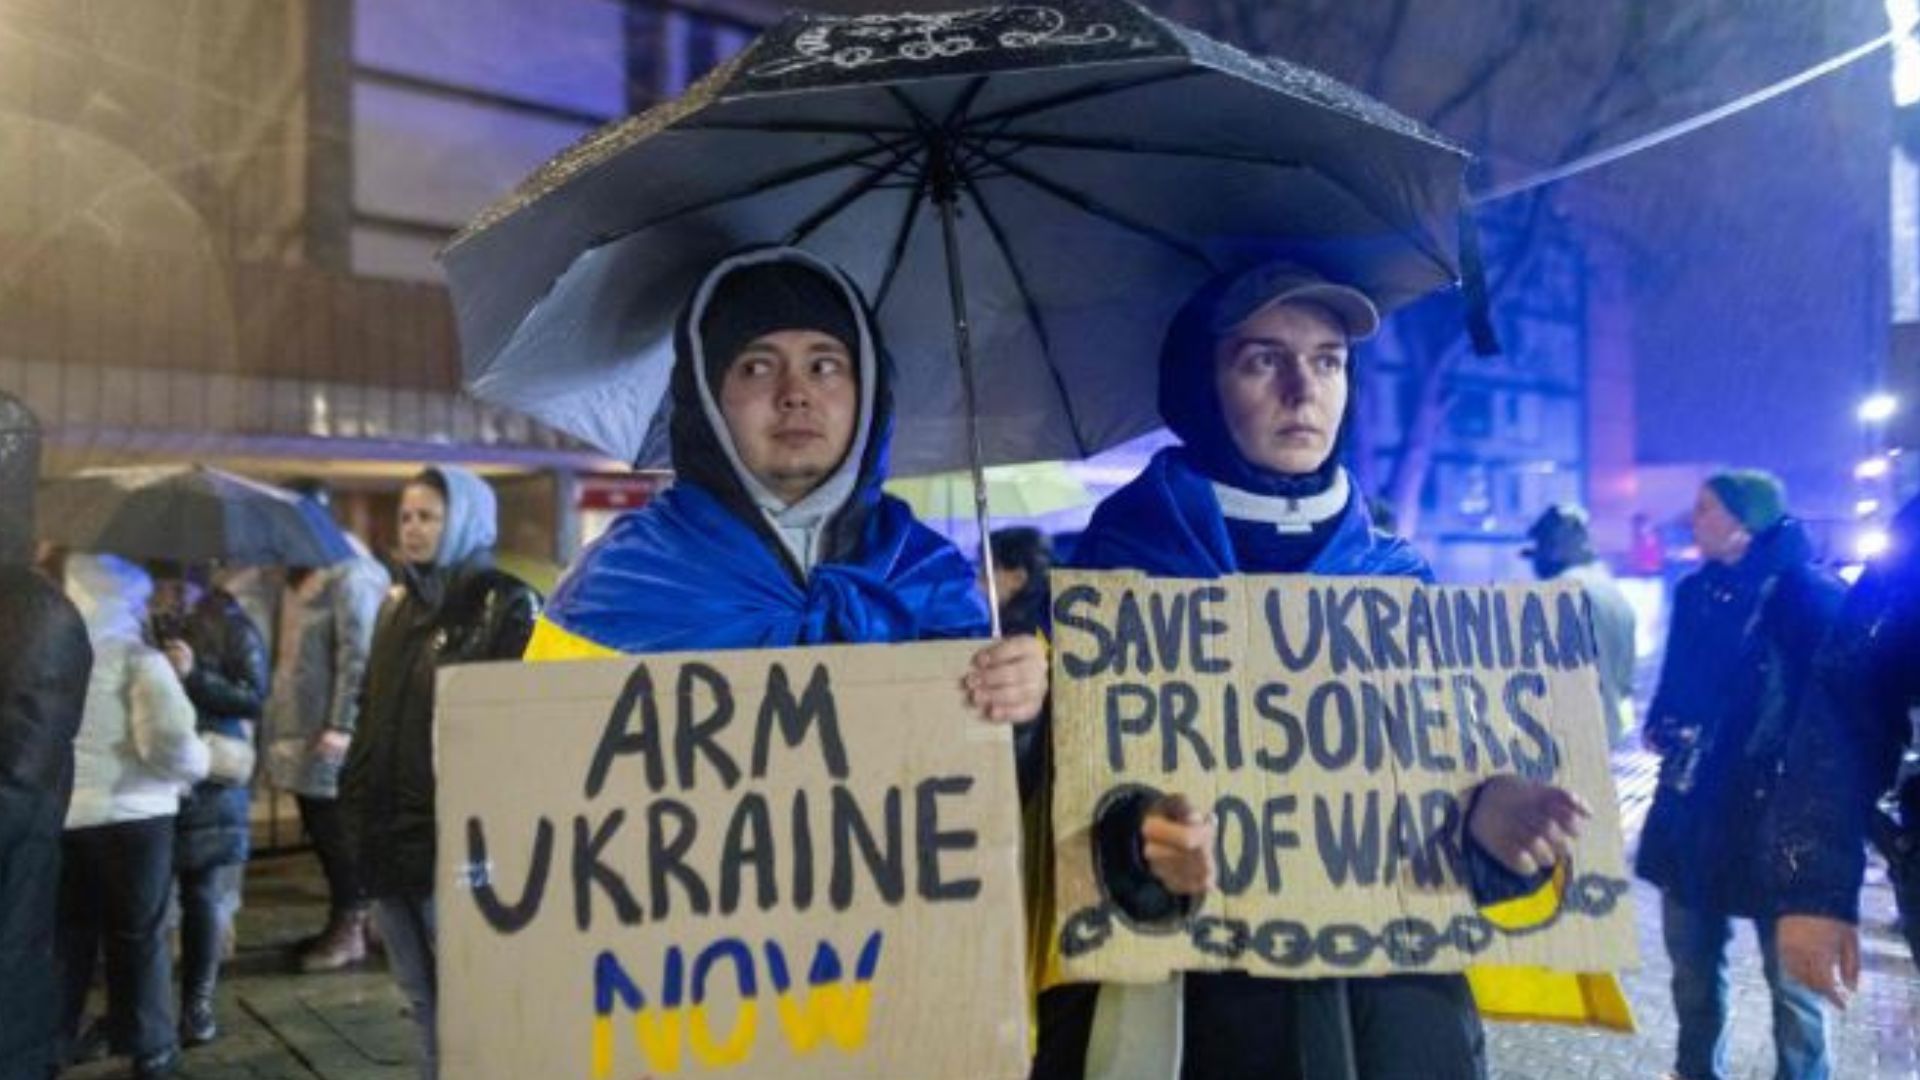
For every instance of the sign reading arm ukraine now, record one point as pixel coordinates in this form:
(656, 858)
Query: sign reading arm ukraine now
(1335, 729)
(787, 863)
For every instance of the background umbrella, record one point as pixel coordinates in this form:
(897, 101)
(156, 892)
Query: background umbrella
(188, 513)
(1014, 491)
(1036, 186)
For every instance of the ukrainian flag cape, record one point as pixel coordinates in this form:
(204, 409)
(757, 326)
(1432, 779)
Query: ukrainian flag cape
(684, 572)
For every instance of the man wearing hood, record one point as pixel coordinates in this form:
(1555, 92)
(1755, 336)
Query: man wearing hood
(451, 606)
(776, 531)
(1257, 380)
(44, 663)
(1745, 629)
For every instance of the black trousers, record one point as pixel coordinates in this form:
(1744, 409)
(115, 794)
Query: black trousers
(30, 825)
(114, 882)
(321, 817)
(1397, 1027)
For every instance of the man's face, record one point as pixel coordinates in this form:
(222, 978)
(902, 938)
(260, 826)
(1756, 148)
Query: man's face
(790, 399)
(1720, 535)
(1282, 380)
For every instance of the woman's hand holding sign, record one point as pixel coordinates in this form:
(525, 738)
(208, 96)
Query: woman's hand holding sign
(1008, 681)
(1525, 824)
(1177, 840)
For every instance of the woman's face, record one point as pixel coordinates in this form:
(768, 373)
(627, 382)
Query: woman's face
(423, 518)
(1282, 380)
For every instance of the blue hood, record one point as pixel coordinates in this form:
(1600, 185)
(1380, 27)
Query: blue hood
(1168, 523)
(472, 518)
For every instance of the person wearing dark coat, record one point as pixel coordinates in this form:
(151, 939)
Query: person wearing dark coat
(221, 658)
(451, 606)
(1846, 751)
(1744, 631)
(1255, 379)
(45, 660)
(1022, 556)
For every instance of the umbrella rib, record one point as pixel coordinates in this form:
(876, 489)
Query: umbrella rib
(1142, 146)
(782, 179)
(1135, 146)
(965, 101)
(1072, 97)
(900, 238)
(846, 198)
(1095, 207)
(999, 235)
(792, 127)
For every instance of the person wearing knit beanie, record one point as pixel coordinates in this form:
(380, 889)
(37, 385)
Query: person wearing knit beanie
(1733, 507)
(1755, 497)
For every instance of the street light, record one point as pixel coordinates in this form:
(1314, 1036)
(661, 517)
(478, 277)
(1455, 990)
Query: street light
(1866, 508)
(1878, 408)
(1872, 544)
(1872, 468)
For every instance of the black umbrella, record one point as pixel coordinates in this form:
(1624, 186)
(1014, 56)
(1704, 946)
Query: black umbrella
(1075, 168)
(188, 513)
(1028, 190)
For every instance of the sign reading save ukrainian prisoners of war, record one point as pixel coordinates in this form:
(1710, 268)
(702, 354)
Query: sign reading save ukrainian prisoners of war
(796, 863)
(1334, 728)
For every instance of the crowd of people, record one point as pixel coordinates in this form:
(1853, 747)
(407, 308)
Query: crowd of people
(1780, 713)
(139, 702)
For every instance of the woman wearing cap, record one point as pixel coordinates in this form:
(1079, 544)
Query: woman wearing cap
(1256, 379)
(1745, 629)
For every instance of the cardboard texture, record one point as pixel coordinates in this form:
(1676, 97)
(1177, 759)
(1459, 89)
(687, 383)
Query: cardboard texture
(639, 879)
(1336, 756)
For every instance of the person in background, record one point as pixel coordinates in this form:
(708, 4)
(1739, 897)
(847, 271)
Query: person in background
(221, 660)
(1561, 546)
(326, 635)
(1646, 556)
(451, 606)
(45, 659)
(1745, 629)
(1845, 752)
(136, 748)
(1022, 558)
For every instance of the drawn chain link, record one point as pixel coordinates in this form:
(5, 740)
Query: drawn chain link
(1286, 944)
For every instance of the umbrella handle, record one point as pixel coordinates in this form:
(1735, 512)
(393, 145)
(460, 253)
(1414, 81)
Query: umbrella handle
(945, 193)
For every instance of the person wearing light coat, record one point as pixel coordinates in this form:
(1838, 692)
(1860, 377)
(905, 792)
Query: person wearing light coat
(135, 750)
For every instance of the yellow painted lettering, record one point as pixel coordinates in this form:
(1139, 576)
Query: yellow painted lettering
(602, 1047)
(739, 1042)
(835, 1010)
(658, 1032)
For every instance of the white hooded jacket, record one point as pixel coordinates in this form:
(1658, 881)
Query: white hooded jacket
(136, 747)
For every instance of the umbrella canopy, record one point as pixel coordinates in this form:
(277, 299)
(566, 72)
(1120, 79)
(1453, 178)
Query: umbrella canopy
(1014, 491)
(188, 513)
(1047, 181)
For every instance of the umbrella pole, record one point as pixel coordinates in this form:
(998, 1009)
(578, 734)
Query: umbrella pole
(945, 191)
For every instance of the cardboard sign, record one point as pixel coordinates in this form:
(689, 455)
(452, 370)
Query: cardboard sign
(1334, 728)
(785, 863)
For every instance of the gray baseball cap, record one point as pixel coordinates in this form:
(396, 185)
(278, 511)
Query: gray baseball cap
(1273, 283)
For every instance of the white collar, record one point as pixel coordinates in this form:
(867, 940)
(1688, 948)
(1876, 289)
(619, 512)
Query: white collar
(1287, 515)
